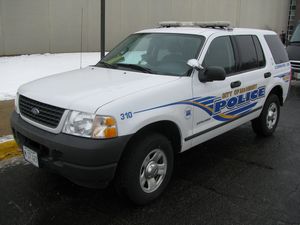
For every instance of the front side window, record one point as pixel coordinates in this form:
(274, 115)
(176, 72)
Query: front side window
(156, 53)
(220, 53)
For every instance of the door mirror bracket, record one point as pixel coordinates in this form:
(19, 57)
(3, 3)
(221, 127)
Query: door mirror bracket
(194, 63)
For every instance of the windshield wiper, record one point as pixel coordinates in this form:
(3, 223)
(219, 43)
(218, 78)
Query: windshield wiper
(136, 67)
(107, 65)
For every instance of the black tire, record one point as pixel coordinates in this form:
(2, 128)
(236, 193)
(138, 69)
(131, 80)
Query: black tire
(260, 124)
(127, 180)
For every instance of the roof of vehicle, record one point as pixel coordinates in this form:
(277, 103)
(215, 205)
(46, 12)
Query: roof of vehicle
(189, 28)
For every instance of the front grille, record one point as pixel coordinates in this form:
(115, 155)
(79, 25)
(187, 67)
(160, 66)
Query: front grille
(295, 65)
(39, 112)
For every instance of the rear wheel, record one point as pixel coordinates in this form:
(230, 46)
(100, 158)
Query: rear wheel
(266, 123)
(146, 169)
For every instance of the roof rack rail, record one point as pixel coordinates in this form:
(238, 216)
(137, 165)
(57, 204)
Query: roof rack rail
(207, 24)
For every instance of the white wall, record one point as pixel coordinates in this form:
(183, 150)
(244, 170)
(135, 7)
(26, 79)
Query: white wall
(39, 26)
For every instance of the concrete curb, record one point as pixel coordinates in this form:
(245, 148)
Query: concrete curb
(9, 149)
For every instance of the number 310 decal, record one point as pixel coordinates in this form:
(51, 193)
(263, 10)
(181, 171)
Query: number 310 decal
(127, 115)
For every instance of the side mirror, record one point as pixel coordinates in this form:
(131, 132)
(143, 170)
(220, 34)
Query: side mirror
(194, 63)
(212, 73)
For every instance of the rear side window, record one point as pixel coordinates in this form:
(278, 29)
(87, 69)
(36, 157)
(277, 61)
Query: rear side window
(220, 53)
(259, 51)
(248, 58)
(277, 49)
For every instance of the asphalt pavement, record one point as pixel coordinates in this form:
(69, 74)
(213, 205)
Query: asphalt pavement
(236, 178)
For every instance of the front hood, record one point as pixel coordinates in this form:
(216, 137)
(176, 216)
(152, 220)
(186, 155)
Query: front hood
(90, 88)
(294, 52)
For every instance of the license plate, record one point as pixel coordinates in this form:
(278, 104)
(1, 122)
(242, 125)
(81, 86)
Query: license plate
(31, 156)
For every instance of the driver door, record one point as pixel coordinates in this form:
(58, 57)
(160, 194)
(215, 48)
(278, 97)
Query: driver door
(208, 112)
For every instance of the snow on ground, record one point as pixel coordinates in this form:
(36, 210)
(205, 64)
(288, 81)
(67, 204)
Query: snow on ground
(12, 162)
(18, 70)
(6, 138)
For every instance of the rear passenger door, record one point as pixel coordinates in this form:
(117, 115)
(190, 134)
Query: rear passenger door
(252, 73)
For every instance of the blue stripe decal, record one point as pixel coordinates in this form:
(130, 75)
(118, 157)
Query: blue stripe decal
(183, 102)
(207, 102)
(229, 115)
(231, 110)
(238, 111)
(221, 125)
(216, 107)
(283, 75)
(158, 107)
(278, 66)
(205, 99)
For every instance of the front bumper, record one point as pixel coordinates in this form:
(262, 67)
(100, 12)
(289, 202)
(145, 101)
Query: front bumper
(296, 75)
(87, 162)
(295, 69)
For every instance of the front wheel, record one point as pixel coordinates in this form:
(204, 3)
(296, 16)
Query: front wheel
(266, 123)
(146, 168)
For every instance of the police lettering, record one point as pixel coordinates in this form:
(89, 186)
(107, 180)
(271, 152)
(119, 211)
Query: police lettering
(239, 100)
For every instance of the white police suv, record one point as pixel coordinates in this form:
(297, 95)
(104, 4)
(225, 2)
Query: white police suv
(158, 93)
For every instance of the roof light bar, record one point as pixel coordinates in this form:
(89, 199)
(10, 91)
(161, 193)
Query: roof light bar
(212, 24)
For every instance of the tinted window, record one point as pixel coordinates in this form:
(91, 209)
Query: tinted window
(247, 52)
(220, 53)
(260, 54)
(277, 49)
(296, 35)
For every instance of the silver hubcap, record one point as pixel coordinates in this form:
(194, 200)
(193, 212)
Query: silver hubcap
(272, 116)
(153, 171)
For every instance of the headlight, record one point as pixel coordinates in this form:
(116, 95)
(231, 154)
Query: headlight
(90, 125)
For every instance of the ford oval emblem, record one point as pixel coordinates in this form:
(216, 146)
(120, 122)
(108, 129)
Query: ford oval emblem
(35, 111)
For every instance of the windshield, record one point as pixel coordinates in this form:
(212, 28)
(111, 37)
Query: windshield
(296, 35)
(155, 53)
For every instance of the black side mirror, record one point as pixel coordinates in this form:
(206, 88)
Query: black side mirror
(212, 73)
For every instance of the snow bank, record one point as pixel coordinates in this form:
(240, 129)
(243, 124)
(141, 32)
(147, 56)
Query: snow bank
(12, 162)
(6, 138)
(15, 71)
